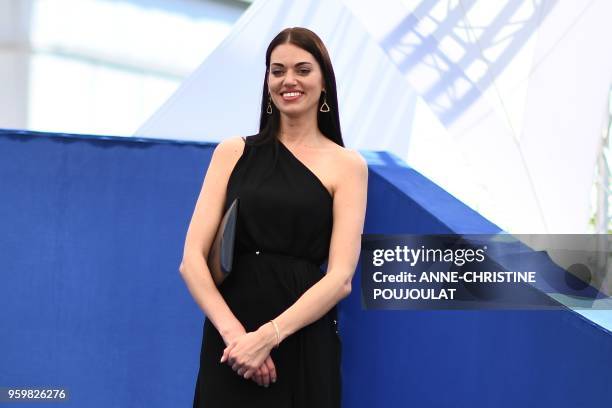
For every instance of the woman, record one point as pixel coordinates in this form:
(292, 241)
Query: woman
(270, 337)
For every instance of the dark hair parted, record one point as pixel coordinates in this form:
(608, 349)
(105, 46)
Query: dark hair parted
(328, 122)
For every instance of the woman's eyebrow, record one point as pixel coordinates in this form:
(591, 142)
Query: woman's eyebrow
(297, 65)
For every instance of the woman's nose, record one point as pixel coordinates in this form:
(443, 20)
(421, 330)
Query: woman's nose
(290, 77)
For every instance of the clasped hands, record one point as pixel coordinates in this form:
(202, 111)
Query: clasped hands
(249, 354)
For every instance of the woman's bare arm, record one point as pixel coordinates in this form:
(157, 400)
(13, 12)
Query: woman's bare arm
(350, 200)
(201, 233)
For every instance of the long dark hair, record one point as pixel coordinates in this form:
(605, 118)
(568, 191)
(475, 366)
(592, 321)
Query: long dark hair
(328, 122)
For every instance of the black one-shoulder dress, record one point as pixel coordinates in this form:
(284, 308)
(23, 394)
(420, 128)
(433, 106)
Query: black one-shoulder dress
(283, 237)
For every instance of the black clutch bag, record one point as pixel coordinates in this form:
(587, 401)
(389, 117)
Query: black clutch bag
(221, 254)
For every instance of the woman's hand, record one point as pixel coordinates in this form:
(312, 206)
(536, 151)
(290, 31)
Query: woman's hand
(266, 373)
(248, 352)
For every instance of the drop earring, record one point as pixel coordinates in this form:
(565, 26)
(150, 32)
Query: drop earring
(269, 109)
(325, 106)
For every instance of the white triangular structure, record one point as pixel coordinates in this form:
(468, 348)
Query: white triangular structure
(500, 104)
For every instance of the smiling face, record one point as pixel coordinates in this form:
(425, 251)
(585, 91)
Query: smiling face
(295, 80)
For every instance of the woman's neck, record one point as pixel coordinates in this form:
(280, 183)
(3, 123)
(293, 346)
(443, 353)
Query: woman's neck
(302, 130)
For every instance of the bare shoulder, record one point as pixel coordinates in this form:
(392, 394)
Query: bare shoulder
(227, 153)
(348, 170)
(230, 146)
(350, 161)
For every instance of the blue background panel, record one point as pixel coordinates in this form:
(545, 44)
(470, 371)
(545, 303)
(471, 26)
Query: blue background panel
(91, 298)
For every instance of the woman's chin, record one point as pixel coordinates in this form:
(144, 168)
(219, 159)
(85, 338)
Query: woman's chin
(294, 111)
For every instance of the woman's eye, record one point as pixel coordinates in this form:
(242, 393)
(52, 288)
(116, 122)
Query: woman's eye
(278, 72)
